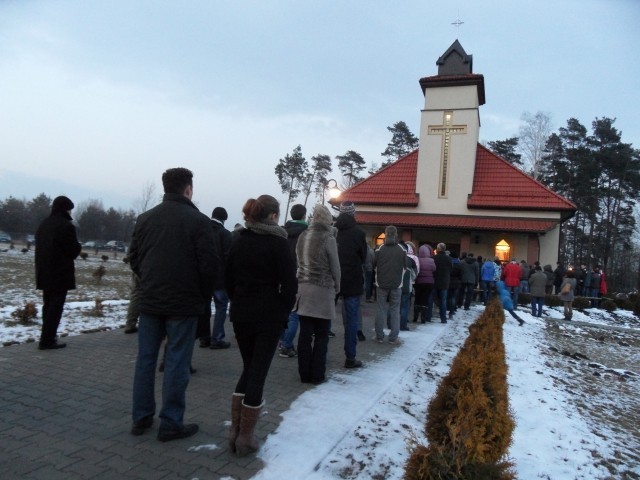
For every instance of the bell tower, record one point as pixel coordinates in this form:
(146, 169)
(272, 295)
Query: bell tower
(449, 133)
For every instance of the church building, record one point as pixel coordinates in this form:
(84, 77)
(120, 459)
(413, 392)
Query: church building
(454, 190)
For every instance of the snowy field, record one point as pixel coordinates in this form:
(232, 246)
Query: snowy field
(573, 387)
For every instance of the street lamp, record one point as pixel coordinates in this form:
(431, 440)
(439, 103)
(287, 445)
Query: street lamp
(332, 189)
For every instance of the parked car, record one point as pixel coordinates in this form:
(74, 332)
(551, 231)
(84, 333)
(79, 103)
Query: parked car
(92, 245)
(116, 245)
(5, 237)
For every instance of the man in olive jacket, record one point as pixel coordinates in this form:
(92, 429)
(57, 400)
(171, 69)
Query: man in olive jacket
(173, 253)
(56, 249)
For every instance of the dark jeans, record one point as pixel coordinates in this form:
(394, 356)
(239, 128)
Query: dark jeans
(468, 294)
(440, 296)
(368, 285)
(405, 302)
(350, 321)
(52, 306)
(180, 332)
(257, 343)
(313, 342)
(287, 337)
(452, 299)
(514, 292)
(221, 302)
(486, 289)
(536, 306)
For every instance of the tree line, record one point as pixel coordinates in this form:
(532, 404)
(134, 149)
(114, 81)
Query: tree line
(595, 170)
(21, 217)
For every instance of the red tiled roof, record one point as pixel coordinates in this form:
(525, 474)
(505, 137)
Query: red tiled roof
(498, 185)
(395, 184)
(452, 222)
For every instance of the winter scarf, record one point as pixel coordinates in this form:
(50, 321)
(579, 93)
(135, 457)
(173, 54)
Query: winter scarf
(267, 227)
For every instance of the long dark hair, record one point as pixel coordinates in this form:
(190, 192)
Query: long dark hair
(258, 209)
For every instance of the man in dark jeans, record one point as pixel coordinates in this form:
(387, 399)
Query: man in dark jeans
(441, 277)
(220, 297)
(294, 228)
(352, 251)
(173, 253)
(57, 247)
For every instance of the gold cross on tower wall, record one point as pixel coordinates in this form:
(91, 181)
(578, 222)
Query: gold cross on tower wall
(446, 130)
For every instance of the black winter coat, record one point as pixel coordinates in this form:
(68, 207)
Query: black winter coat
(261, 279)
(56, 248)
(294, 229)
(443, 271)
(173, 253)
(352, 252)
(455, 279)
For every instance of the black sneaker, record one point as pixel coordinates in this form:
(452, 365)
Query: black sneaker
(139, 427)
(185, 432)
(205, 342)
(352, 363)
(51, 346)
(287, 352)
(361, 336)
(219, 345)
(331, 334)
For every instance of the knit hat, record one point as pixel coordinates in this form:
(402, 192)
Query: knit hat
(219, 213)
(348, 207)
(62, 204)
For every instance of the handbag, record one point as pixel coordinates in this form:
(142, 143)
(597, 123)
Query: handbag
(566, 289)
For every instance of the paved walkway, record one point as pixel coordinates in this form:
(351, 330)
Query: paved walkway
(65, 414)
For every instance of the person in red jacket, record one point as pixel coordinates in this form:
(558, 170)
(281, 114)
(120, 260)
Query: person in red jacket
(512, 273)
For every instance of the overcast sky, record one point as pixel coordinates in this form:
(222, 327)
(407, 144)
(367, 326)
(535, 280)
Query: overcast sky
(98, 98)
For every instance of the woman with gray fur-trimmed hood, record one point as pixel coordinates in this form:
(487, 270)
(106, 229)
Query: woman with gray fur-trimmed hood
(318, 285)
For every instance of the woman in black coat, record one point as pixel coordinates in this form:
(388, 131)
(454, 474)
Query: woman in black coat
(260, 278)
(57, 247)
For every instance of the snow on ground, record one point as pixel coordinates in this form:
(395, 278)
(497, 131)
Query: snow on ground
(359, 424)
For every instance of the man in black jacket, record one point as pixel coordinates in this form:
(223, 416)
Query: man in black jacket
(442, 278)
(220, 297)
(173, 253)
(352, 251)
(56, 249)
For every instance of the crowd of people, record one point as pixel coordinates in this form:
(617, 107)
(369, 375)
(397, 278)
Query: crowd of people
(272, 282)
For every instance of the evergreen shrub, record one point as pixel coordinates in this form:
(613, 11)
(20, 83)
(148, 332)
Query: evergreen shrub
(469, 425)
(552, 300)
(580, 303)
(608, 304)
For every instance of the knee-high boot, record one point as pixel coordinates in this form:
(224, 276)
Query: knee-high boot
(234, 430)
(246, 442)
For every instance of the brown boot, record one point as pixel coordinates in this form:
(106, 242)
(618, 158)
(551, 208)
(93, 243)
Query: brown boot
(246, 442)
(236, 407)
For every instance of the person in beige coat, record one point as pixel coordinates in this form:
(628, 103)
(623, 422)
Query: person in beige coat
(567, 293)
(318, 285)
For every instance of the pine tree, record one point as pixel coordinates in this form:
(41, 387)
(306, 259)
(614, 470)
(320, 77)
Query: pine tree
(351, 164)
(291, 172)
(402, 142)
